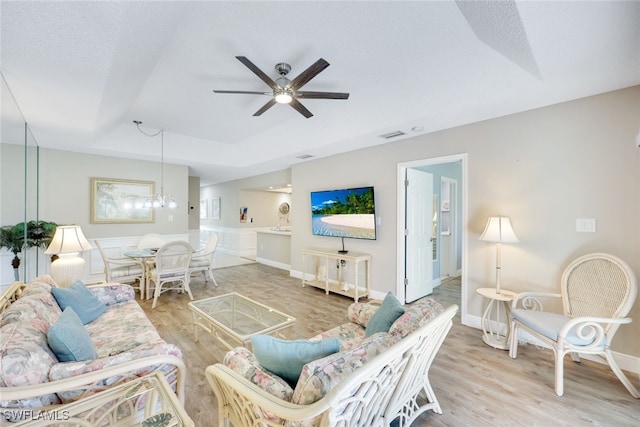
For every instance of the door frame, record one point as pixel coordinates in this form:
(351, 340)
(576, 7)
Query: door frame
(453, 249)
(401, 212)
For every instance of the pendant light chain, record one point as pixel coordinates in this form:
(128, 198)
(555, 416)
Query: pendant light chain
(160, 198)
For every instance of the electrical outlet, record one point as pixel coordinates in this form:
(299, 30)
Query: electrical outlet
(586, 225)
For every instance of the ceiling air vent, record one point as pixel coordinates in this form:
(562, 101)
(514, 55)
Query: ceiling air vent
(304, 156)
(392, 134)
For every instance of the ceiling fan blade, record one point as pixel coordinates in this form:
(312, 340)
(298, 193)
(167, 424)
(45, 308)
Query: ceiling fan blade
(248, 92)
(258, 72)
(322, 95)
(308, 74)
(265, 107)
(300, 108)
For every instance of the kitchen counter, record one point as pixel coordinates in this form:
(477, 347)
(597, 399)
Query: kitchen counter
(274, 247)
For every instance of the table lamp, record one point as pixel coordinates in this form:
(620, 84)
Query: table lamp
(498, 231)
(67, 242)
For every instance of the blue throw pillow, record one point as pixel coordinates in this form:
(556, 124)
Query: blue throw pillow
(84, 303)
(385, 315)
(287, 358)
(69, 340)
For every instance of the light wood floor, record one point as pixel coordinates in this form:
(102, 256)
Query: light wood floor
(475, 384)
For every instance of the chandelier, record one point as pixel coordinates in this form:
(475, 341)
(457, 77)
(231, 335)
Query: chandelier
(160, 200)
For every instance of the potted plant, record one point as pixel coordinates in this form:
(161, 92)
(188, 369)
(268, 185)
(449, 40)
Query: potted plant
(12, 238)
(40, 234)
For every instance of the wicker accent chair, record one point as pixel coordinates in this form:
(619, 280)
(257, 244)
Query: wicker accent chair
(171, 271)
(598, 291)
(202, 261)
(382, 390)
(123, 270)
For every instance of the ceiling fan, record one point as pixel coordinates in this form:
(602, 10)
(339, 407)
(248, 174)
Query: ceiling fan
(285, 91)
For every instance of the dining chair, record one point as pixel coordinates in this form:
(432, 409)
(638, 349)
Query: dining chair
(598, 291)
(171, 270)
(150, 241)
(123, 270)
(202, 261)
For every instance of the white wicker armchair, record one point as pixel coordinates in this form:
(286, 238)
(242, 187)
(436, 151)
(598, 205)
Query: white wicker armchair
(383, 389)
(598, 291)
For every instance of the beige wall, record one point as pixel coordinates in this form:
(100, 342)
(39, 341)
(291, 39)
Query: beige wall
(543, 168)
(65, 191)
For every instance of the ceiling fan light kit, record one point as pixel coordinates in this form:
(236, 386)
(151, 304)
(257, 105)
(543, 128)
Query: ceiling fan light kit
(285, 91)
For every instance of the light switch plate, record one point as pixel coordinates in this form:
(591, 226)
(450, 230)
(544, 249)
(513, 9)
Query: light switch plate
(586, 225)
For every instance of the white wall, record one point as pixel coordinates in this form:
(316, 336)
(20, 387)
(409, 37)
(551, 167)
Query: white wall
(262, 205)
(543, 168)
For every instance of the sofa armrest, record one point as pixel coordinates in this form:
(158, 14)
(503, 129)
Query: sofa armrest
(360, 313)
(112, 293)
(240, 402)
(93, 381)
(243, 362)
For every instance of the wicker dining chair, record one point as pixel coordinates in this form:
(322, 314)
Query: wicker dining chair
(598, 291)
(202, 261)
(123, 270)
(171, 270)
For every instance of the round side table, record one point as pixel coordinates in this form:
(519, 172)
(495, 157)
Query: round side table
(491, 317)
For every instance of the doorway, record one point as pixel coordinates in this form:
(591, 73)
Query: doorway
(448, 240)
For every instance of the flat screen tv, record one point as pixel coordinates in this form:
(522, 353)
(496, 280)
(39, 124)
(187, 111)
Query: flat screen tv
(344, 213)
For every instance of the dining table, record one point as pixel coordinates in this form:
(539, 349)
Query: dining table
(146, 256)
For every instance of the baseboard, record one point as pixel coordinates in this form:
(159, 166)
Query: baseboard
(273, 263)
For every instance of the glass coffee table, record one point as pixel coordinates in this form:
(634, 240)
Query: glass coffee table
(147, 401)
(235, 317)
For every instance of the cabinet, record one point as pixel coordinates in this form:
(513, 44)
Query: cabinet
(321, 278)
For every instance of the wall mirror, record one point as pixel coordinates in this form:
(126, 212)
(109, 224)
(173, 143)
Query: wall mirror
(19, 183)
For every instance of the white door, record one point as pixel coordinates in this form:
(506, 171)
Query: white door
(418, 234)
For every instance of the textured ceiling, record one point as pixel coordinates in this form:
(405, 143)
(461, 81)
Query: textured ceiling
(83, 71)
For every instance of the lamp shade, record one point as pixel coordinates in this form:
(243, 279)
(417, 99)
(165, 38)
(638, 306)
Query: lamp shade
(68, 239)
(499, 230)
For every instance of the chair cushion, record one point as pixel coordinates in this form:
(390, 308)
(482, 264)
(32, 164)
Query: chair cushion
(547, 324)
(126, 271)
(69, 340)
(384, 316)
(84, 303)
(287, 358)
(200, 262)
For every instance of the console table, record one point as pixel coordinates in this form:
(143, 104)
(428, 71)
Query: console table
(338, 286)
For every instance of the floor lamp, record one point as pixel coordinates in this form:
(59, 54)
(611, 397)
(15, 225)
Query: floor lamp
(498, 231)
(67, 242)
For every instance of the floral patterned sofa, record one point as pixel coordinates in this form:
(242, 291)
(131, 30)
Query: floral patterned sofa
(126, 343)
(368, 380)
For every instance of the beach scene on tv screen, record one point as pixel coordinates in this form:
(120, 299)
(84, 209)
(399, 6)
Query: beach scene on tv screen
(344, 213)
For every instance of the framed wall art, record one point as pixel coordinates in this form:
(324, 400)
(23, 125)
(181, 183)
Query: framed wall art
(204, 209)
(215, 208)
(120, 201)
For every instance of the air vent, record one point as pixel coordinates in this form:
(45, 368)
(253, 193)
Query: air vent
(304, 156)
(392, 134)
